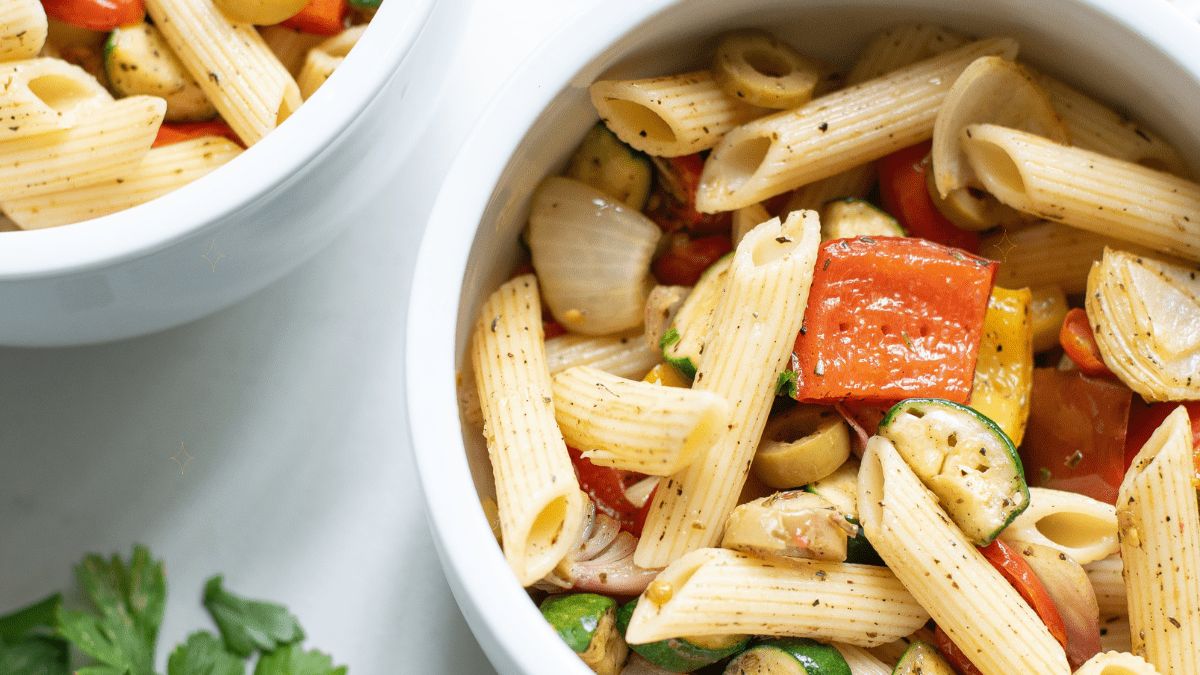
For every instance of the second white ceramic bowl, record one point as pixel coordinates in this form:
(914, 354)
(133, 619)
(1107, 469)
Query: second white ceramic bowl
(1143, 56)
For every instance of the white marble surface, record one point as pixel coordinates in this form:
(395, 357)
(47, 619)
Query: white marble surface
(299, 487)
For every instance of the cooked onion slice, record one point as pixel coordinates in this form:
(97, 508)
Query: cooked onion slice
(991, 90)
(1069, 587)
(592, 256)
(1146, 316)
(601, 562)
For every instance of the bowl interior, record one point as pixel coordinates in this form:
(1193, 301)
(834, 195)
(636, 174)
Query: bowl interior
(1134, 57)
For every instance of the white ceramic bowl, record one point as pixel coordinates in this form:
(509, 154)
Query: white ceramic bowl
(227, 235)
(1144, 56)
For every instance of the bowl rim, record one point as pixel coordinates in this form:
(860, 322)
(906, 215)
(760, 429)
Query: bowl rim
(456, 520)
(260, 170)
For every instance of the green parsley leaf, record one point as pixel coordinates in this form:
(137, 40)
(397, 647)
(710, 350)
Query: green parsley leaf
(18, 624)
(293, 660)
(204, 654)
(786, 384)
(128, 599)
(247, 625)
(34, 656)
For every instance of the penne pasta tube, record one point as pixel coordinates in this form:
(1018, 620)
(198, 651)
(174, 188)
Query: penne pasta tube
(541, 506)
(107, 142)
(1087, 190)
(43, 95)
(160, 171)
(750, 338)
(1114, 634)
(842, 130)
(1094, 126)
(626, 355)
(23, 29)
(669, 116)
(1160, 547)
(635, 426)
(232, 64)
(946, 574)
(862, 662)
(1116, 663)
(1075, 524)
(325, 58)
(1109, 584)
(721, 592)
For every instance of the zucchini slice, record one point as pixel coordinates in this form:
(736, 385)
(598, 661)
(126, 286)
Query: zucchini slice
(851, 217)
(587, 623)
(921, 658)
(793, 524)
(682, 655)
(789, 656)
(607, 164)
(840, 488)
(965, 459)
(683, 343)
(138, 61)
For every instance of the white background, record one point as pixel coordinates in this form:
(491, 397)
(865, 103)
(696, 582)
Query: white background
(300, 487)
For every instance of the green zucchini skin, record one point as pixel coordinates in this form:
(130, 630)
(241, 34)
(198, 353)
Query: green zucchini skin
(677, 655)
(921, 658)
(366, 4)
(576, 617)
(859, 551)
(788, 656)
(606, 163)
(982, 506)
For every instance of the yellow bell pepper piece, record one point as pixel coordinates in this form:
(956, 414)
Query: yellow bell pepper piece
(1004, 371)
(667, 376)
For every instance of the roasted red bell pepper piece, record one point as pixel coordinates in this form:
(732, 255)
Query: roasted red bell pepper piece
(686, 259)
(176, 132)
(672, 204)
(98, 15)
(606, 486)
(1144, 418)
(891, 318)
(1075, 439)
(1079, 342)
(320, 17)
(905, 195)
(953, 655)
(1017, 572)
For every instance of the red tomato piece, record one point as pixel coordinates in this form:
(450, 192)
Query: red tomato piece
(1079, 342)
(672, 206)
(1075, 439)
(320, 17)
(891, 318)
(1144, 418)
(905, 195)
(550, 327)
(606, 486)
(1017, 572)
(175, 132)
(98, 15)
(686, 259)
(863, 418)
(953, 655)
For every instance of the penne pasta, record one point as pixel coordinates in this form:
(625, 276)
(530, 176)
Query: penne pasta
(1046, 253)
(289, 45)
(669, 116)
(160, 171)
(43, 95)
(323, 59)
(1087, 190)
(23, 29)
(1160, 547)
(635, 426)
(1116, 663)
(107, 142)
(626, 355)
(749, 340)
(720, 592)
(862, 662)
(232, 64)
(1114, 634)
(840, 131)
(1075, 524)
(1109, 584)
(541, 506)
(946, 574)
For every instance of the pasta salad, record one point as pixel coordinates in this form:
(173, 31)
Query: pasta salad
(107, 104)
(890, 370)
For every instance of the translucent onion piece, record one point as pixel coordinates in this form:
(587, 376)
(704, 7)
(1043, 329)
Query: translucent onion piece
(592, 256)
(1068, 586)
(1146, 316)
(600, 562)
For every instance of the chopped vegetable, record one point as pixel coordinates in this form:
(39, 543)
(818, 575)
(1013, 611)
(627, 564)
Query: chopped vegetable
(905, 196)
(321, 17)
(753, 66)
(366, 4)
(587, 623)
(1071, 591)
(685, 260)
(792, 524)
(682, 344)
(606, 487)
(138, 61)
(922, 659)
(1013, 567)
(789, 656)
(965, 459)
(840, 488)
(177, 132)
(204, 653)
(673, 204)
(801, 445)
(605, 163)
(1079, 343)
(850, 217)
(892, 318)
(1004, 369)
(1048, 308)
(1145, 418)
(249, 625)
(682, 654)
(1076, 435)
(294, 660)
(950, 651)
(28, 645)
(260, 12)
(98, 15)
